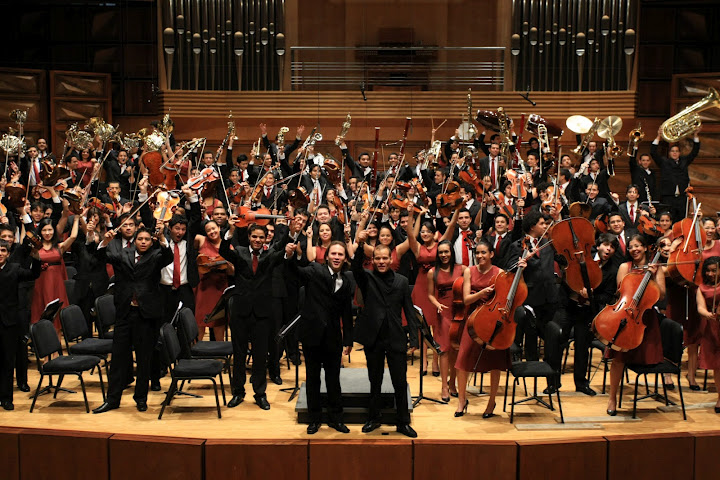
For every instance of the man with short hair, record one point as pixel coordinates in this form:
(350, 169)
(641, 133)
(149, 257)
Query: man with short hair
(674, 173)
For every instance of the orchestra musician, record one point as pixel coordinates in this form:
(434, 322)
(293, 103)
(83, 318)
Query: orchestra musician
(708, 300)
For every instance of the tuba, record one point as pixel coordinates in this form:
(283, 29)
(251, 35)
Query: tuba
(687, 121)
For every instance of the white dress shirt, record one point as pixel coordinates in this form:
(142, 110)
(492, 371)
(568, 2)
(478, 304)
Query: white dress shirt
(166, 274)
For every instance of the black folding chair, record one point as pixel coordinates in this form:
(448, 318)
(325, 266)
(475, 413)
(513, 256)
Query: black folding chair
(187, 368)
(105, 315)
(188, 334)
(75, 330)
(47, 343)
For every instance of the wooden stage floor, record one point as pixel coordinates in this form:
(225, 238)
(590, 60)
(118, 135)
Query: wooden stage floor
(197, 418)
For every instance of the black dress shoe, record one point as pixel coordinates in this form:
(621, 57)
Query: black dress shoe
(105, 407)
(276, 379)
(550, 389)
(586, 390)
(8, 405)
(612, 413)
(235, 401)
(454, 394)
(407, 430)
(717, 409)
(23, 387)
(141, 406)
(370, 425)
(313, 428)
(155, 386)
(436, 374)
(340, 427)
(263, 403)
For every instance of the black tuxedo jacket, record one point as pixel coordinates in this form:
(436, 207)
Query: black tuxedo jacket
(625, 214)
(674, 174)
(356, 169)
(641, 178)
(137, 279)
(10, 276)
(254, 290)
(485, 168)
(626, 234)
(539, 274)
(323, 309)
(385, 296)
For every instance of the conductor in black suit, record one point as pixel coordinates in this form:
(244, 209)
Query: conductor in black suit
(329, 291)
(379, 329)
(138, 312)
(11, 276)
(252, 313)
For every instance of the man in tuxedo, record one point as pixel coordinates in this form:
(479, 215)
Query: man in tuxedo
(617, 226)
(43, 151)
(137, 312)
(674, 174)
(273, 149)
(273, 196)
(113, 196)
(362, 168)
(251, 317)
(599, 205)
(12, 275)
(643, 176)
(325, 326)
(462, 238)
(397, 169)
(119, 170)
(379, 329)
(493, 166)
(630, 209)
(502, 238)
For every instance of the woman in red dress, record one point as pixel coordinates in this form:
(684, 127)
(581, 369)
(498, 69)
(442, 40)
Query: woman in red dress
(440, 281)
(649, 352)
(213, 283)
(426, 254)
(51, 282)
(85, 167)
(478, 288)
(316, 253)
(708, 302)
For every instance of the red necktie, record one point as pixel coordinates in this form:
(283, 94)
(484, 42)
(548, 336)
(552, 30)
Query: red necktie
(176, 267)
(73, 175)
(498, 239)
(255, 262)
(267, 192)
(632, 213)
(622, 243)
(465, 254)
(492, 172)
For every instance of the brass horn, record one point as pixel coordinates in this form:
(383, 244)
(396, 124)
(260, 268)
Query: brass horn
(687, 121)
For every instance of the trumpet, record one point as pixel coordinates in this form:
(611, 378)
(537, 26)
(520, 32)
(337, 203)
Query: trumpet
(433, 151)
(281, 137)
(687, 121)
(636, 136)
(343, 131)
(167, 125)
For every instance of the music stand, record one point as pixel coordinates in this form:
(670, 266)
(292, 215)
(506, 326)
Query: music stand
(279, 338)
(424, 333)
(51, 310)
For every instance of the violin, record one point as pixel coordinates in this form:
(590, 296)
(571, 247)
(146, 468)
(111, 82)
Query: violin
(207, 175)
(574, 238)
(339, 208)
(420, 190)
(404, 204)
(685, 263)
(493, 323)
(298, 198)
(459, 313)
(52, 174)
(246, 216)
(235, 193)
(552, 195)
(33, 239)
(649, 226)
(471, 178)
(501, 203)
(601, 223)
(15, 194)
(450, 200)
(105, 208)
(165, 207)
(620, 326)
(257, 191)
(207, 264)
(517, 181)
(75, 197)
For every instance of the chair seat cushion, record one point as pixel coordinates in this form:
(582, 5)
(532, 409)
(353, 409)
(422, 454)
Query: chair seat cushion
(531, 369)
(194, 367)
(212, 349)
(664, 367)
(92, 346)
(70, 363)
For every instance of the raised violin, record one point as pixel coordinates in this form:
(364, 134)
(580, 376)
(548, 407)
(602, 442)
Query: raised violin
(207, 264)
(620, 326)
(165, 207)
(470, 177)
(246, 216)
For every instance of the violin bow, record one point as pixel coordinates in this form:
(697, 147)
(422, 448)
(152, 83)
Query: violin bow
(134, 212)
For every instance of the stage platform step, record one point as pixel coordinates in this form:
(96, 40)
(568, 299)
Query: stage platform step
(355, 396)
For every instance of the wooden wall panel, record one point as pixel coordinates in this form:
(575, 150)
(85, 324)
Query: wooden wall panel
(552, 459)
(65, 454)
(24, 89)
(361, 459)
(707, 445)
(272, 459)
(448, 459)
(10, 452)
(144, 457)
(649, 457)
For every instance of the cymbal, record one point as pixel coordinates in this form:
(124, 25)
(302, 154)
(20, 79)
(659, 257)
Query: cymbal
(610, 126)
(578, 124)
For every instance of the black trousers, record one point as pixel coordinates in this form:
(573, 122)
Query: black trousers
(678, 205)
(25, 290)
(329, 358)
(275, 350)
(247, 330)
(142, 334)
(170, 300)
(375, 356)
(531, 325)
(9, 336)
(578, 317)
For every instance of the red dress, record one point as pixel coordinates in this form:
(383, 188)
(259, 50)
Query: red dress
(209, 290)
(320, 254)
(50, 284)
(713, 251)
(693, 324)
(84, 172)
(650, 351)
(444, 295)
(426, 260)
(710, 340)
(467, 359)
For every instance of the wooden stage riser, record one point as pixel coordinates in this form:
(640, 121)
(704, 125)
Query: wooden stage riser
(38, 454)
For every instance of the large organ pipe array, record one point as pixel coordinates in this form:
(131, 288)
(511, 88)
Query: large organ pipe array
(569, 45)
(223, 44)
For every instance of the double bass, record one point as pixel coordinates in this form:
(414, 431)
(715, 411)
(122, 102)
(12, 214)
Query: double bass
(574, 239)
(685, 263)
(459, 311)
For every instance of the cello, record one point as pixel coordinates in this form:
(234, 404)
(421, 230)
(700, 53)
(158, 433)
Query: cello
(685, 262)
(459, 311)
(620, 326)
(574, 239)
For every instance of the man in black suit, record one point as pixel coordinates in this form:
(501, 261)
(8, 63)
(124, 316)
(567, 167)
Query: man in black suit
(361, 169)
(379, 329)
(617, 226)
(11, 276)
(137, 312)
(493, 166)
(329, 291)
(674, 175)
(643, 177)
(599, 205)
(113, 196)
(630, 208)
(119, 170)
(251, 317)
